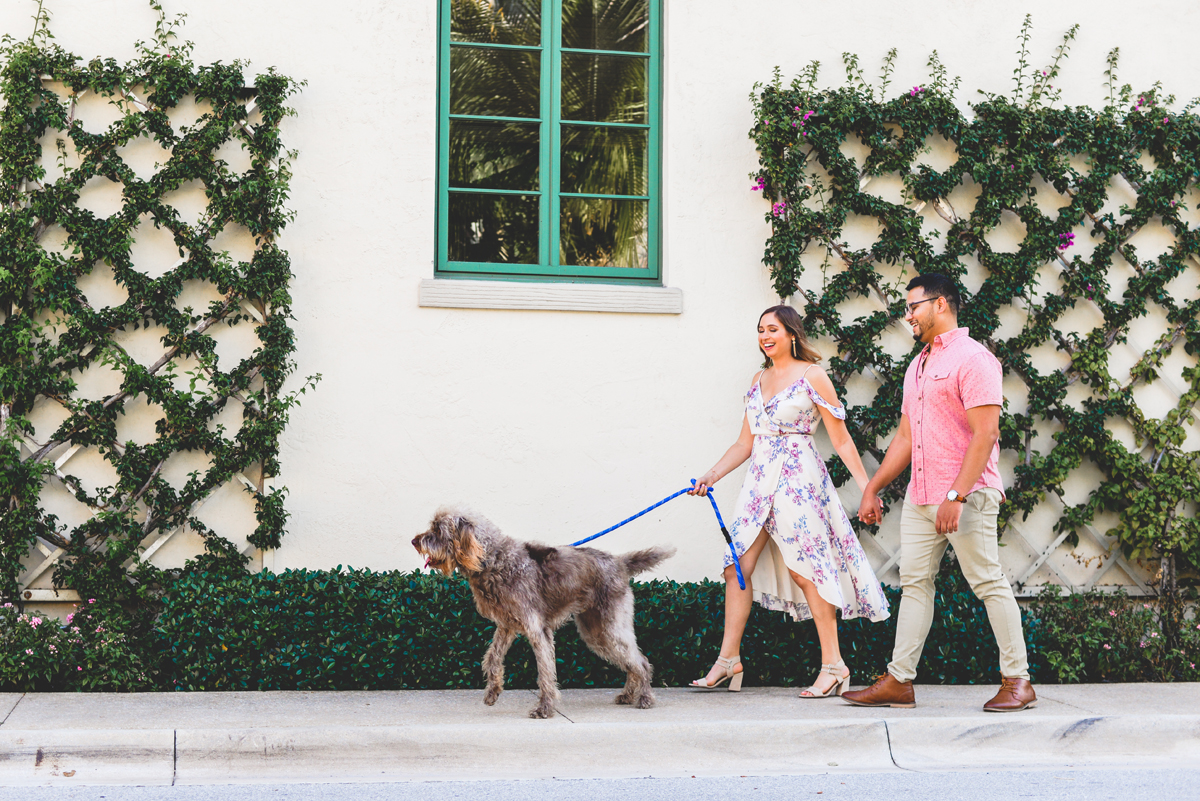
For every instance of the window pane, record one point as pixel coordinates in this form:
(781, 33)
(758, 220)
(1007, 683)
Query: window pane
(494, 155)
(493, 228)
(490, 82)
(604, 88)
(515, 22)
(603, 233)
(606, 24)
(604, 161)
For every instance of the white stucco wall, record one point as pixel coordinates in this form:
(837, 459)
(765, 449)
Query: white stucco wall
(555, 424)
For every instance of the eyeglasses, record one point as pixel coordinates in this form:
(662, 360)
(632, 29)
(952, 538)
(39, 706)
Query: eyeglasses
(908, 307)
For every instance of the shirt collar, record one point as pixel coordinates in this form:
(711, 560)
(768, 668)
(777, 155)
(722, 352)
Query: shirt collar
(942, 340)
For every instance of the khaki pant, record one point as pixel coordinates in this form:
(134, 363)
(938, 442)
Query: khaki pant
(921, 550)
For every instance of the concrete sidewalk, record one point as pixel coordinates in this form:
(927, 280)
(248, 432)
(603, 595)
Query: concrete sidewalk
(167, 738)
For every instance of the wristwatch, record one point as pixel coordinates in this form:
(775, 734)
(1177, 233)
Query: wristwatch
(953, 495)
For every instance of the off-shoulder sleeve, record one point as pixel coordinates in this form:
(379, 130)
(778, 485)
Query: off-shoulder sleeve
(838, 411)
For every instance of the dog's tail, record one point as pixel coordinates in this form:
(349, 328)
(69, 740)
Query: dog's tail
(640, 561)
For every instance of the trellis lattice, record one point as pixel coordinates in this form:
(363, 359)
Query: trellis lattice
(79, 348)
(1025, 211)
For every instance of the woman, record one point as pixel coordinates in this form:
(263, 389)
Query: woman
(797, 549)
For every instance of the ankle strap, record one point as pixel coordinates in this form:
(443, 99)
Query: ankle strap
(728, 663)
(835, 669)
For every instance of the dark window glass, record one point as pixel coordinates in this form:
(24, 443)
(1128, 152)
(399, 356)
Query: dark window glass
(603, 233)
(604, 161)
(606, 24)
(516, 22)
(494, 228)
(491, 82)
(604, 88)
(494, 155)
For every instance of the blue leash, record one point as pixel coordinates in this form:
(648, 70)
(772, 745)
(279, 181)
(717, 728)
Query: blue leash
(724, 531)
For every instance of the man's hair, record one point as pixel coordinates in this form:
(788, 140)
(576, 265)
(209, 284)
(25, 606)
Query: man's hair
(937, 285)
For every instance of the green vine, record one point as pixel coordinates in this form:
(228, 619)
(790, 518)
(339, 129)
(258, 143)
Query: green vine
(50, 330)
(814, 188)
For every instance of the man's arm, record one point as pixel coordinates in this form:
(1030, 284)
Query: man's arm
(985, 431)
(898, 457)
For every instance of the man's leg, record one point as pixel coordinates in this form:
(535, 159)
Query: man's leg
(977, 550)
(921, 550)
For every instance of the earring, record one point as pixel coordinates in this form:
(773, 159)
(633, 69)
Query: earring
(794, 354)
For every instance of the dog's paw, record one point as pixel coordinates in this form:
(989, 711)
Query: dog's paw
(541, 712)
(645, 701)
(623, 698)
(491, 695)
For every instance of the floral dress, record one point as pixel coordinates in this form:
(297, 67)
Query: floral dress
(789, 492)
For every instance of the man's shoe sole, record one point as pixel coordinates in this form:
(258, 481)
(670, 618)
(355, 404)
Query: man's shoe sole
(894, 706)
(1030, 705)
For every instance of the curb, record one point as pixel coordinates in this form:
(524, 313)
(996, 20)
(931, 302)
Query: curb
(561, 749)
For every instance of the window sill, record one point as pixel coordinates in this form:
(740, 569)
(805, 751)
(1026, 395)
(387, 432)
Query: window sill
(453, 294)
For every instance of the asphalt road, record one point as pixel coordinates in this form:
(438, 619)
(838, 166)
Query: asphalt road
(1047, 785)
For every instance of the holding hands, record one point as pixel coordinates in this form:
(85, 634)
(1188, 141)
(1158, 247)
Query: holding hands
(870, 511)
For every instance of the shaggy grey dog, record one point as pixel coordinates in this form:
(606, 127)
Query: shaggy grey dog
(532, 589)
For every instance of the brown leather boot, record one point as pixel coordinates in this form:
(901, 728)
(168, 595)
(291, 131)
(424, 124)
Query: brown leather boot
(886, 691)
(1014, 695)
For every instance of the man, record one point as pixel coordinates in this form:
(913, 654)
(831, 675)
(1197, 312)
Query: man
(949, 432)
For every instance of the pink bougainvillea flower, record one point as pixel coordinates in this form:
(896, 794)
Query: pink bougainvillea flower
(1111, 612)
(1107, 647)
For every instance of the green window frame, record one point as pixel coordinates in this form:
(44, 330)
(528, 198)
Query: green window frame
(619, 210)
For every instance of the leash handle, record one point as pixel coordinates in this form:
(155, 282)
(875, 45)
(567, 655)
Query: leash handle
(737, 564)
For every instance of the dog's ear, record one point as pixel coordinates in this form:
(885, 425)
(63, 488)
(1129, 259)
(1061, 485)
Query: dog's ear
(468, 553)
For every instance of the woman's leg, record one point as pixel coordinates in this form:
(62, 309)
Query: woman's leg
(737, 606)
(825, 617)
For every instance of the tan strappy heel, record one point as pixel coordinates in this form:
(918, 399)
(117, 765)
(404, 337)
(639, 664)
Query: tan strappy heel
(734, 679)
(840, 686)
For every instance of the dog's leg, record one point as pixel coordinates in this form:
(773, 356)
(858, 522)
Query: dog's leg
(609, 632)
(493, 662)
(541, 638)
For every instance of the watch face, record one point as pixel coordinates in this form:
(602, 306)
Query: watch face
(952, 495)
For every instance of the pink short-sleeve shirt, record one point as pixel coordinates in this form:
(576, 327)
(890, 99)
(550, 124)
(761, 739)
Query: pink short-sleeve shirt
(953, 374)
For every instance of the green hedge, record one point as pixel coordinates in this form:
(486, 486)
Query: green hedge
(358, 629)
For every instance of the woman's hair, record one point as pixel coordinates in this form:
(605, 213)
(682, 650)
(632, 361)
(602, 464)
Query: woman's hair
(791, 320)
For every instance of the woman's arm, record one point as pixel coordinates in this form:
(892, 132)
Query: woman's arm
(839, 435)
(738, 452)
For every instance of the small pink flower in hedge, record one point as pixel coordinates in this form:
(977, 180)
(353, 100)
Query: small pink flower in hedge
(1165, 120)
(1065, 241)
(77, 667)
(1111, 612)
(778, 209)
(794, 123)
(91, 600)
(1107, 647)
(29, 650)
(916, 90)
(35, 622)
(1153, 634)
(70, 617)
(1142, 643)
